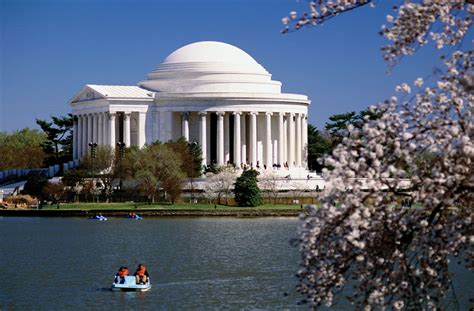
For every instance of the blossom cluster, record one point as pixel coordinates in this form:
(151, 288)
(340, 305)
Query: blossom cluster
(397, 207)
(444, 22)
(320, 11)
(397, 253)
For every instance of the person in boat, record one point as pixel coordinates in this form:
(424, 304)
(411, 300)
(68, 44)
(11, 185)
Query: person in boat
(141, 275)
(121, 274)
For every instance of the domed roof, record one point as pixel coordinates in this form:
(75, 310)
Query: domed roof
(211, 52)
(210, 66)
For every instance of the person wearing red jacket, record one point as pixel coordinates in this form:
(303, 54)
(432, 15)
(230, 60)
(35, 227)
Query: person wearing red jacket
(121, 274)
(141, 274)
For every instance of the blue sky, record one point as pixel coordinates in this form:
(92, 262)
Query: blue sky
(49, 49)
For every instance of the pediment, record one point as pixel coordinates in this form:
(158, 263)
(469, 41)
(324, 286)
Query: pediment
(87, 94)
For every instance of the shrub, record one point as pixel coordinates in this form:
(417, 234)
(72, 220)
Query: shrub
(247, 192)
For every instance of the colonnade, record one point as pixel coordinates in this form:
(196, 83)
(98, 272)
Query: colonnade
(286, 147)
(101, 128)
(281, 141)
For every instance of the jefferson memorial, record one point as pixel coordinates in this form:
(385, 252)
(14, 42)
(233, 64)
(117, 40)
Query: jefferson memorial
(209, 92)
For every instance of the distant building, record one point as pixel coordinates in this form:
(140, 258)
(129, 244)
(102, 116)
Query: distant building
(209, 92)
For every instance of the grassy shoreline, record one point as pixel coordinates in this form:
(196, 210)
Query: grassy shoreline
(157, 210)
(161, 206)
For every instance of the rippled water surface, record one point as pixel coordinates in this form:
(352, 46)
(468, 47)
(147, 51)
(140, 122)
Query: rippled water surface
(218, 263)
(198, 263)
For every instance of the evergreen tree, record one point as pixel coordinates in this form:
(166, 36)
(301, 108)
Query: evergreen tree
(35, 184)
(319, 145)
(58, 144)
(246, 190)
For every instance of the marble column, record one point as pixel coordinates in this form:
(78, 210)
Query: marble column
(305, 141)
(237, 147)
(268, 139)
(291, 140)
(95, 127)
(100, 134)
(298, 139)
(126, 129)
(84, 135)
(253, 138)
(203, 136)
(90, 136)
(156, 121)
(281, 132)
(141, 129)
(185, 125)
(243, 138)
(285, 139)
(105, 127)
(112, 130)
(74, 137)
(220, 138)
(208, 140)
(79, 136)
(226, 138)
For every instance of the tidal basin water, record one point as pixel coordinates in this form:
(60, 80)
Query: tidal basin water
(199, 263)
(195, 264)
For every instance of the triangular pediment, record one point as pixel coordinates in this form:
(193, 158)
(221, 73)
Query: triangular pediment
(87, 94)
(114, 92)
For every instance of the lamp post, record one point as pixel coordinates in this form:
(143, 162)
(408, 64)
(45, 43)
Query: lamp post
(191, 147)
(93, 147)
(121, 147)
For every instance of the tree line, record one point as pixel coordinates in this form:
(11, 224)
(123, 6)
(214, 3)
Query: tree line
(32, 148)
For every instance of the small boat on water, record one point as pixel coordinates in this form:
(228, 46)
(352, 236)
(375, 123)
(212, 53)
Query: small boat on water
(99, 217)
(131, 285)
(134, 216)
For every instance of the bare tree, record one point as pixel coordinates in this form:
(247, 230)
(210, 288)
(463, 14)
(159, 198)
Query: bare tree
(221, 184)
(106, 169)
(55, 190)
(271, 184)
(297, 189)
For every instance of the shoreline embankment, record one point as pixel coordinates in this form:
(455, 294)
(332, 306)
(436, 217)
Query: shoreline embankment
(240, 213)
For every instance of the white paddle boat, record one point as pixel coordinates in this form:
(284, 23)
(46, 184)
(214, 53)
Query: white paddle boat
(99, 218)
(130, 284)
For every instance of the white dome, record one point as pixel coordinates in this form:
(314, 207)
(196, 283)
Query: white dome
(210, 66)
(211, 52)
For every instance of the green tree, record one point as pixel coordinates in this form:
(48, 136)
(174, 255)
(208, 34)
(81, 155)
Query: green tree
(190, 154)
(246, 190)
(72, 177)
(156, 165)
(34, 185)
(319, 145)
(22, 149)
(147, 184)
(58, 144)
(338, 125)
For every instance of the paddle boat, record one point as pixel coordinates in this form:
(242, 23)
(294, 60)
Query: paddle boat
(134, 216)
(99, 217)
(131, 285)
